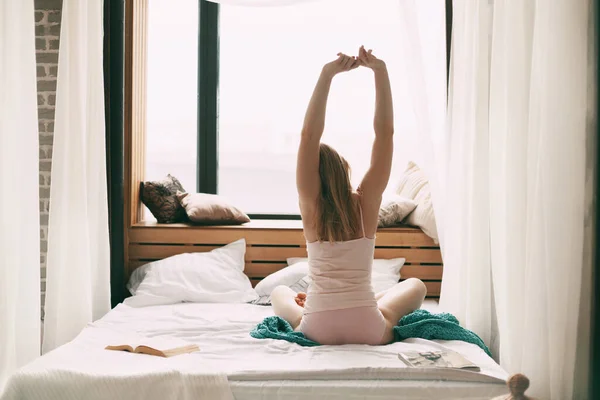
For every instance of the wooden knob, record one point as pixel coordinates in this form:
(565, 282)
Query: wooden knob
(518, 384)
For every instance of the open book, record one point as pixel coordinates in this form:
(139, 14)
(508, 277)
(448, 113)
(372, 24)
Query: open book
(160, 347)
(436, 359)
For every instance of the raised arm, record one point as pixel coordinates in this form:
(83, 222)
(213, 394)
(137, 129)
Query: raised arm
(307, 170)
(378, 175)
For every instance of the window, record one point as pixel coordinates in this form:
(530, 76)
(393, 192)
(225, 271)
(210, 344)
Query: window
(268, 62)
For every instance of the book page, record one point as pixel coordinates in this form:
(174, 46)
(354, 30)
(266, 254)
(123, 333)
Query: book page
(121, 347)
(126, 341)
(455, 360)
(181, 350)
(164, 344)
(436, 359)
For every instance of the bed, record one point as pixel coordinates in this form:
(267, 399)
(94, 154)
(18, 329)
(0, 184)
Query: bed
(233, 365)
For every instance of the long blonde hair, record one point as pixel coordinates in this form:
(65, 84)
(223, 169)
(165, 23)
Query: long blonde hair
(337, 217)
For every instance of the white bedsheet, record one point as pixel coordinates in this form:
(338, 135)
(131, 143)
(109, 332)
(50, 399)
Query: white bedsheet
(254, 368)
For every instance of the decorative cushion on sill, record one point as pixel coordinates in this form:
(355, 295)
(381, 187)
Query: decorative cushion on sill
(414, 185)
(211, 209)
(161, 199)
(393, 210)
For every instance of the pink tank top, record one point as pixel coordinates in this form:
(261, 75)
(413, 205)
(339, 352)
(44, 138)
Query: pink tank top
(341, 274)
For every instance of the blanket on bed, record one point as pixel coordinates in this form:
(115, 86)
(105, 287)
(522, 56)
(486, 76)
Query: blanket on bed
(418, 324)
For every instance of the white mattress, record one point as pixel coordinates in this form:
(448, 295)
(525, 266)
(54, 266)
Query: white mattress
(260, 369)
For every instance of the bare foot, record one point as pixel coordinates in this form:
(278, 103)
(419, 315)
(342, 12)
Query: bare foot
(300, 299)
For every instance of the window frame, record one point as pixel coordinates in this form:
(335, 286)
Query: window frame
(207, 155)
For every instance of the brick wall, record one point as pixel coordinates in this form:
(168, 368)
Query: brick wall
(47, 32)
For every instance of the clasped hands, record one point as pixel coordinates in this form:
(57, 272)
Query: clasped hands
(346, 63)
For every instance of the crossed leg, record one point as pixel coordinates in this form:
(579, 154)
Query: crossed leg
(285, 305)
(394, 303)
(402, 299)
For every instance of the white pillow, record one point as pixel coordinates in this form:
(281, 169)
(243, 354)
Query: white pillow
(385, 273)
(138, 275)
(414, 185)
(213, 277)
(301, 285)
(286, 276)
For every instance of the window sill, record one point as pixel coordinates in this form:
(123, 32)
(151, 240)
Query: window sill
(260, 232)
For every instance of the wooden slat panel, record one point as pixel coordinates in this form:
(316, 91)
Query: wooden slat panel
(133, 264)
(215, 236)
(254, 282)
(136, 32)
(145, 252)
(134, 114)
(148, 252)
(140, 96)
(412, 256)
(405, 237)
(274, 253)
(262, 270)
(255, 234)
(433, 288)
(428, 272)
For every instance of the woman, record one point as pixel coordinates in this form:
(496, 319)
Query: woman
(339, 227)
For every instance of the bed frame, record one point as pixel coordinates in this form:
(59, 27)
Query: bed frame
(270, 243)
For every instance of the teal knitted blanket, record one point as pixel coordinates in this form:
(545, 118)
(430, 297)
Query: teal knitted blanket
(418, 324)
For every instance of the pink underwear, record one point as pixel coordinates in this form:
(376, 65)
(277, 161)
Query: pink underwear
(361, 325)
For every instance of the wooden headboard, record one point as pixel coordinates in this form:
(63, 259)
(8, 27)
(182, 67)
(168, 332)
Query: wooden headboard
(270, 243)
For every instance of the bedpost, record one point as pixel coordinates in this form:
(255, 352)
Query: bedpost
(517, 384)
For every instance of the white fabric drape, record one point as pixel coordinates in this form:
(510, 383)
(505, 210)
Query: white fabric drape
(466, 284)
(456, 159)
(422, 24)
(78, 260)
(538, 105)
(508, 180)
(19, 201)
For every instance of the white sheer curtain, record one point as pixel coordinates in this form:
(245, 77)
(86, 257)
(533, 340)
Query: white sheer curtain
(453, 147)
(538, 105)
(466, 285)
(19, 200)
(508, 178)
(78, 268)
